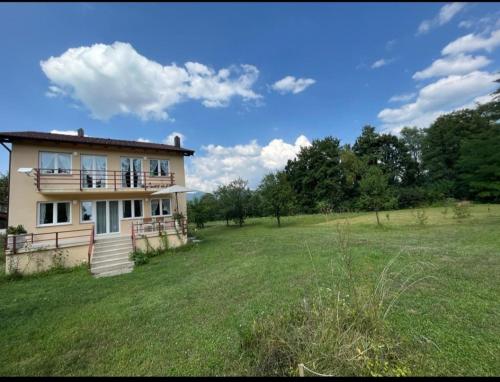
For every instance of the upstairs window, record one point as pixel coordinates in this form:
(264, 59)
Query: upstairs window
(158, 167)
(55, 163)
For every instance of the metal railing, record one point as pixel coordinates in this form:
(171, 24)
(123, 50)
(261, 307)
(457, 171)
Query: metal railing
(113, 180)
(47, 240)
(91, 246)
(159, 225)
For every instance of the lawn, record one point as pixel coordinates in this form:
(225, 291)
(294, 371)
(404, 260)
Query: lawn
(182, 314)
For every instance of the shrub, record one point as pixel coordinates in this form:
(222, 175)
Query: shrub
(340, 331)
(19, 230)
(139, 257)
(461, 210)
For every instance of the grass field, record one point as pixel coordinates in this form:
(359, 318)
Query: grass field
(182, 314)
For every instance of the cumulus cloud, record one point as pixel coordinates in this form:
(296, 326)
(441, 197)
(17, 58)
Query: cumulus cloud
(402, 97)
(460, 64)
(381, 62)
(221, 164)
(442, 96)
(143, 140)
(169, 140)
(445, 15)
(65, 132)
(473, 42)
(115, 79)
(290, 84)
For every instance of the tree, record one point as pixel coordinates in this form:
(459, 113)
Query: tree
(315, 174)
(479, 165)
(277, 194)
(4, 189)
(234, 200)
(375, 191)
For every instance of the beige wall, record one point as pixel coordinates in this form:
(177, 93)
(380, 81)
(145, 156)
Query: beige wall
(42, 260)
(24, 195)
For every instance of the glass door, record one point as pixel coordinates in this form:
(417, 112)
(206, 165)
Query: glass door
(93, 171)
(131, 172)
(107, 217)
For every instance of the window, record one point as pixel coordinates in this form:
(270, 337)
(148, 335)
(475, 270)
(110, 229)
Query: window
(160, 207)
(93, 171)
(54, 213)
(55, 163)
(131, 209)
(87, 212)
(131, 169)
(158, 167)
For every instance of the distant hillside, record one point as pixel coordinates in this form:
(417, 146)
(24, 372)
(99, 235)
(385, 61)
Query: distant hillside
(194, 195)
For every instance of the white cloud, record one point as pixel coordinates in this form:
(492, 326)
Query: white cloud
(222, 164)
(381, 62)
(114, 79)
(65, 132)
(442, 96)
(473, 42)
(402, 97)
(446, 13)
(144, 140)
(460, 64)
(290, 84)
(169, 140)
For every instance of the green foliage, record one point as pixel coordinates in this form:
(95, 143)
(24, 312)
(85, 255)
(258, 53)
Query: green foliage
(16, 230)
(203, 209)
(234, 200)
(375, 192)
(139, 257)
(277, 195)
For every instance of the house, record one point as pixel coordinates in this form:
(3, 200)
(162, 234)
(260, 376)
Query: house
(91, 200)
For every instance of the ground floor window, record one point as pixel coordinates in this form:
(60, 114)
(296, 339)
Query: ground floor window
(131, 209)
(87, 211)
(50, 213)
(160, 207)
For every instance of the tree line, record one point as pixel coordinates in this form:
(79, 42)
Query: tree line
(457, 156)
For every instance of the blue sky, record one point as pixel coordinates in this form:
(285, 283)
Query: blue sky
(263, 79)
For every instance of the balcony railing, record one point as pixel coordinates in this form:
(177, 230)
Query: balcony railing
(99, 180)
(158, 225)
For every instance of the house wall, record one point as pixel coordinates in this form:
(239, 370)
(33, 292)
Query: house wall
(24, 195)
(42, 260)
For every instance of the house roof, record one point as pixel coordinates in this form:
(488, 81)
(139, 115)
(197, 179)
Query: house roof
(24, 136)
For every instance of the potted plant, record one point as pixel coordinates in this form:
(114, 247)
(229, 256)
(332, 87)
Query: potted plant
(19, 232)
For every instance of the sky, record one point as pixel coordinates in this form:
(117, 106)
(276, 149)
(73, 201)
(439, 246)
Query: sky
(245, 85)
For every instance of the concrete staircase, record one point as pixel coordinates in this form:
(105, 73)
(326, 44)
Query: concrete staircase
(111, 256)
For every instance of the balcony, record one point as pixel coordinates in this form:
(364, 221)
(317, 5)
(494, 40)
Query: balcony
(99, 181)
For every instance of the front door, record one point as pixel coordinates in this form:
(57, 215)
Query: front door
(107, 217)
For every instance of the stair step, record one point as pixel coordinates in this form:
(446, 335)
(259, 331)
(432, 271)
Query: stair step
(114, 239)
(113, 273)
(112, 250)
(108, 243)
(112, 267)
(109, 260)
(120, 255)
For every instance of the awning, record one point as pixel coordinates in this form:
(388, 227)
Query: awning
(172, 190)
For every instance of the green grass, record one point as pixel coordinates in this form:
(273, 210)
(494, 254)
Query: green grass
(183, 312)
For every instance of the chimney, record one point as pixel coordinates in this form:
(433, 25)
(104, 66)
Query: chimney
(177, 141)
(80, 132)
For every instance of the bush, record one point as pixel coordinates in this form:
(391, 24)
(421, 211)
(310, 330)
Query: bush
(341, 331)
(139, 257)
(461, 210)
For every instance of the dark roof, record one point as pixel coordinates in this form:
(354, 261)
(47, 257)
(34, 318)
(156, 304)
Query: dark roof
(17, 136)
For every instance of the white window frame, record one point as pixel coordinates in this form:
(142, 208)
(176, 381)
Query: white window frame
(159, 167)
(106, 180)
(92, 202)
(132, 207)
(54, 213)
(42, 171)
(161, 206)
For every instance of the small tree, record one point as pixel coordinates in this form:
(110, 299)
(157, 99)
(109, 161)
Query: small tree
(277, 194)
(375, 191)
(234, 200)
